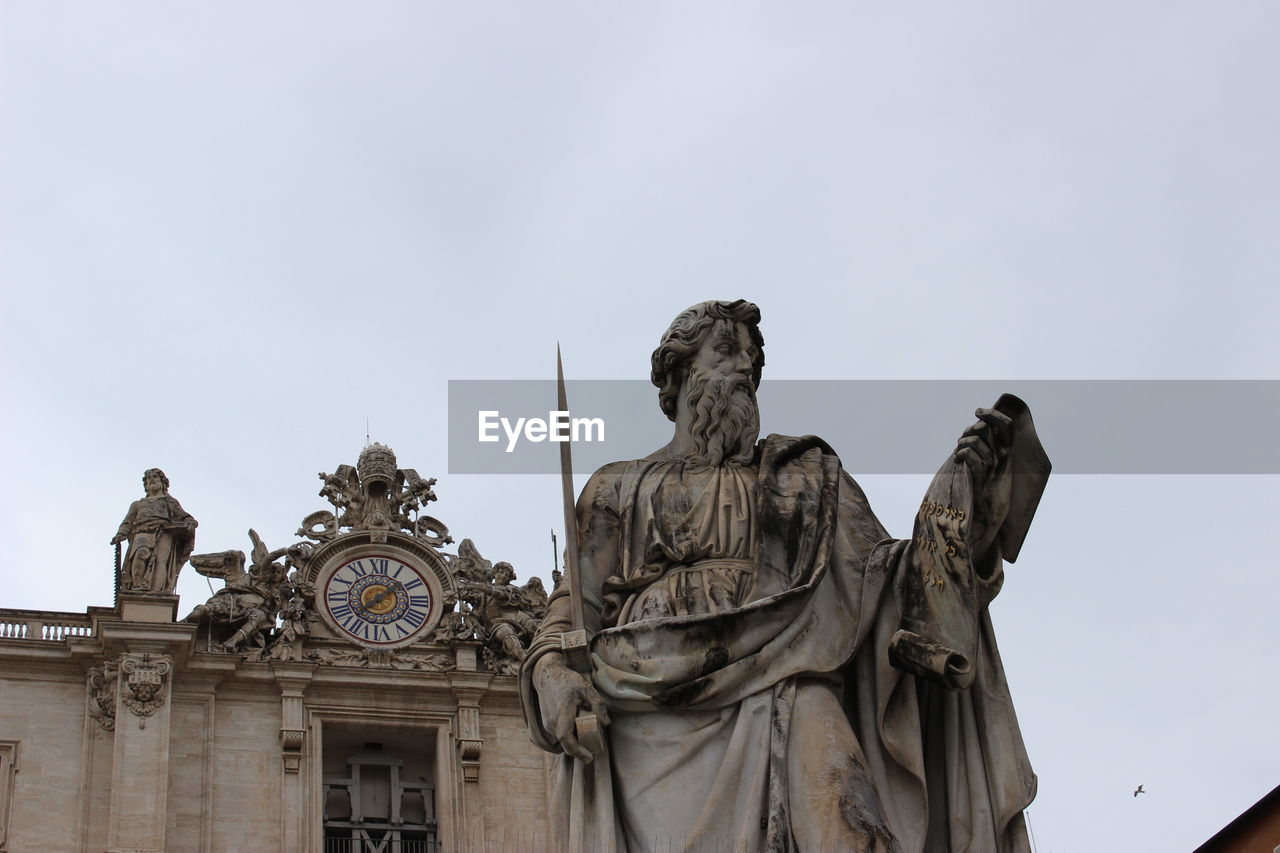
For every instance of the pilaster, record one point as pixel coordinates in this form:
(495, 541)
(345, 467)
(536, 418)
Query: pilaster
(149, 646)
(140, 759)
(468, 689)
(293, 679)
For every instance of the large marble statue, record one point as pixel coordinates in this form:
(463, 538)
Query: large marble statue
(161, 536)
(774, 671)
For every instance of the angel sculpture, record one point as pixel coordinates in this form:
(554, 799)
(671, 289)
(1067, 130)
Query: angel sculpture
(294, 620)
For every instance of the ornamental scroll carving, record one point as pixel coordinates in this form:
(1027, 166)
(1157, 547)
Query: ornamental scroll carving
(270, 610)
(375, 495)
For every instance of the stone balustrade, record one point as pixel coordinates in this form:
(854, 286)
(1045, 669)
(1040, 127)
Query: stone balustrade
(43, 625)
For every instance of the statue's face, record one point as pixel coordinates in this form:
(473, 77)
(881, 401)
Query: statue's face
(726, 350)
(503, 575)
(154, 485)
(718, 401)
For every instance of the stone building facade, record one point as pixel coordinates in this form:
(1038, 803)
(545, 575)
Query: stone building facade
(349, 693)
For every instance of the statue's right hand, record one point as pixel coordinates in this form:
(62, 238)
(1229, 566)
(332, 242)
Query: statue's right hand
(562, 693)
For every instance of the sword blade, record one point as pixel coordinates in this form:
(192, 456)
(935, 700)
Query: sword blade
(571, 578)
(574, 643)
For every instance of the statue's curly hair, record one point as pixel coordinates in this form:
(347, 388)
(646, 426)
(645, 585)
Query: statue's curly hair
(686, 334)
(147, 473)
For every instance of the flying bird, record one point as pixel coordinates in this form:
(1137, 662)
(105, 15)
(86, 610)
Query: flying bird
(1138, 791)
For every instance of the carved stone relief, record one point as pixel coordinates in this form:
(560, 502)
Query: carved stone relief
(103, 680)
(144, 677)
(382, 659)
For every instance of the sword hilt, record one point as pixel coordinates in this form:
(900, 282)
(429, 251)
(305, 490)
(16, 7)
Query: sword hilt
(590, 733)
(577, 656)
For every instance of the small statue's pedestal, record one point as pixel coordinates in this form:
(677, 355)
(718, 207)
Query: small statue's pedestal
(148, 607)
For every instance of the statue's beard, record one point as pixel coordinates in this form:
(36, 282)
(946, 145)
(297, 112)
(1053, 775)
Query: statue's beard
(726, 419)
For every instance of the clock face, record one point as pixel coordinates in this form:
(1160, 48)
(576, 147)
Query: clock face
(380, 600)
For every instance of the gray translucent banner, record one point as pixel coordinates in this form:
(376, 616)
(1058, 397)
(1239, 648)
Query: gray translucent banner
(892, 426)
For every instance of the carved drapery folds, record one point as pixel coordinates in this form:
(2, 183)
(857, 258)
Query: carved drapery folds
(144, 679)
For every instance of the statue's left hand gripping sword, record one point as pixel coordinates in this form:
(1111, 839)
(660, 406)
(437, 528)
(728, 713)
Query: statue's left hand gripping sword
(575, 643)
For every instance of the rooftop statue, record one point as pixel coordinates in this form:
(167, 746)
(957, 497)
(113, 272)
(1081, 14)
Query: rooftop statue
(773, 670)
(161, 536)
(376, 495)
(242, 615)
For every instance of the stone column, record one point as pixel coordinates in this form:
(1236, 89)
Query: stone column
(140, 768)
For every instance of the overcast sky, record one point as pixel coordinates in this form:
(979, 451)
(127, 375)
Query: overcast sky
(232, 233)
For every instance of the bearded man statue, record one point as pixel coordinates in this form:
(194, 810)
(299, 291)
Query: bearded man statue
(774, 671)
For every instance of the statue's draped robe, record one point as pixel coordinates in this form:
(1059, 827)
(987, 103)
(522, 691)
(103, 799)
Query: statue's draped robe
(746, 618)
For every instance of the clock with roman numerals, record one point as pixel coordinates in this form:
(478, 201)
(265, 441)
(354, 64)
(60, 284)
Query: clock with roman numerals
(380, 598)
